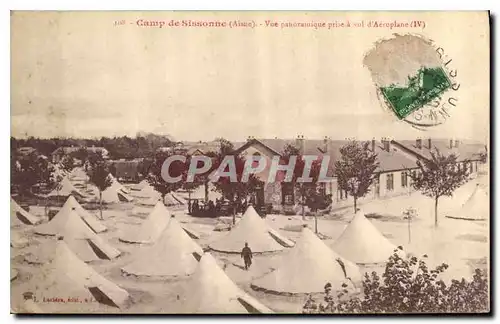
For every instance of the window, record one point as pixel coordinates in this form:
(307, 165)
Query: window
(287, 194)
(390, 181)
(404, 179)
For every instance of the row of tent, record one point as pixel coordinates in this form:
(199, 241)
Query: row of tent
(173, 254)
(304, 268)
(74, 183)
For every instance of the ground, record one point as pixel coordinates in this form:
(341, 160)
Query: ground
(463, 245)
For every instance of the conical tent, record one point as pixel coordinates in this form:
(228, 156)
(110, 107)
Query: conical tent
(89, 219)
(66, 188)
(78, 174)
(17, 240)
(68, 276)
(173, 254)
(173, 201)
(82, 240)
(117, 185)
(475, 208)
(19, 216)
(211, 291)
(307, 267)
(147, 191)
(251, 229)
(140, 185)
(151, 228)
(361, 242)
(150, 201)
(114, 195)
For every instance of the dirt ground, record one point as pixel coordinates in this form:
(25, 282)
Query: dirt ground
(462, 244)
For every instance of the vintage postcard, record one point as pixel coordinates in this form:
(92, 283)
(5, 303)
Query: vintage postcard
(250, 162)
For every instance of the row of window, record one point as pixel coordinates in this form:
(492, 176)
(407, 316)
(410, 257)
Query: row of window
(405, 178)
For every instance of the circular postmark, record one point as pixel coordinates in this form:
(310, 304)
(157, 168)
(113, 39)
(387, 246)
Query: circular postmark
(415, 80)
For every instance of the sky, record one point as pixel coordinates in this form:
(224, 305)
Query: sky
(75, 74)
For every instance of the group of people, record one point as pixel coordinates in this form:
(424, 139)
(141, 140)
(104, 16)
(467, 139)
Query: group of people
(217, 208)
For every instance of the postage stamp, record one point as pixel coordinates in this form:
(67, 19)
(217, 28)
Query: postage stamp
(412, 79)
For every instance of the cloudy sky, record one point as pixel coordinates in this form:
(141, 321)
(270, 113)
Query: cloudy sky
(75, 74)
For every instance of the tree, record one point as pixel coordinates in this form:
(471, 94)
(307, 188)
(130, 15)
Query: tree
(154, 176)
(408, 286)
(233, 191)
(81, 154)
(67, 163)
(308, 191)
(439, 176)
(99, 176)
(28, 171)
(356, 169)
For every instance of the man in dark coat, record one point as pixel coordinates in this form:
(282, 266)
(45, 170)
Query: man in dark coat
(246, 254)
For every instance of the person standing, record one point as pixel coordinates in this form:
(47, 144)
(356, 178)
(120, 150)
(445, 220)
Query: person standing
(246, 254)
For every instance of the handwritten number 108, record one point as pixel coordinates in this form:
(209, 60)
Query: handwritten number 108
(119, 22)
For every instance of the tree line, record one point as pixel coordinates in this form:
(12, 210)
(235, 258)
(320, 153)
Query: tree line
(355, 171)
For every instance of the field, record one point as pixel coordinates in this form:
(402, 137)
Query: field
(463, 245)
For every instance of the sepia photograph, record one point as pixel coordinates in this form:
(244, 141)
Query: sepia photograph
(259, 162)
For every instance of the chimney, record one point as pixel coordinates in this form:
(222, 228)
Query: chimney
(429, 143)
(326, 142)
(387, 144)
(418, 143)
(451, 143)
(373, 144)
(456, 143)
(300, 143)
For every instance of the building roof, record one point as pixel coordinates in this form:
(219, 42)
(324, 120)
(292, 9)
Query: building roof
(26, 150)
(72, 149)
(393, 159)
(464, 150)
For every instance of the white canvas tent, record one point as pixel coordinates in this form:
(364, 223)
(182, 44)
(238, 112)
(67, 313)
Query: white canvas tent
(152, 201)
(173, 201)
(66, 188)
(173, 254)
(19, 216)
(117, 185)
(151, 229)
(475, 208)
(139, 186)
(82, 240)
(307, 267)
(147, 191)
(113, 195)
(68, 276)
(91, 220)
(251, 229)
(362, 242)
(17, 240)
(211, 291)
(78, 174)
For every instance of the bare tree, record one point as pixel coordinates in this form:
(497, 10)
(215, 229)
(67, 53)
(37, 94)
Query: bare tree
(439, 176)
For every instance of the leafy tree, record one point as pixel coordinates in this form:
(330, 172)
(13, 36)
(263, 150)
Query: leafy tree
(28, 171)
(233, 191)
(81, 154)
(308, 191)
(408, 286)
(154, 176)
(439, 176)
(67, 163)
(356, 169)
(99, 176)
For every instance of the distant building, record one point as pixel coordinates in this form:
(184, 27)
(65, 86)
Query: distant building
(397, 161)
(128, 170)
(60, 152)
